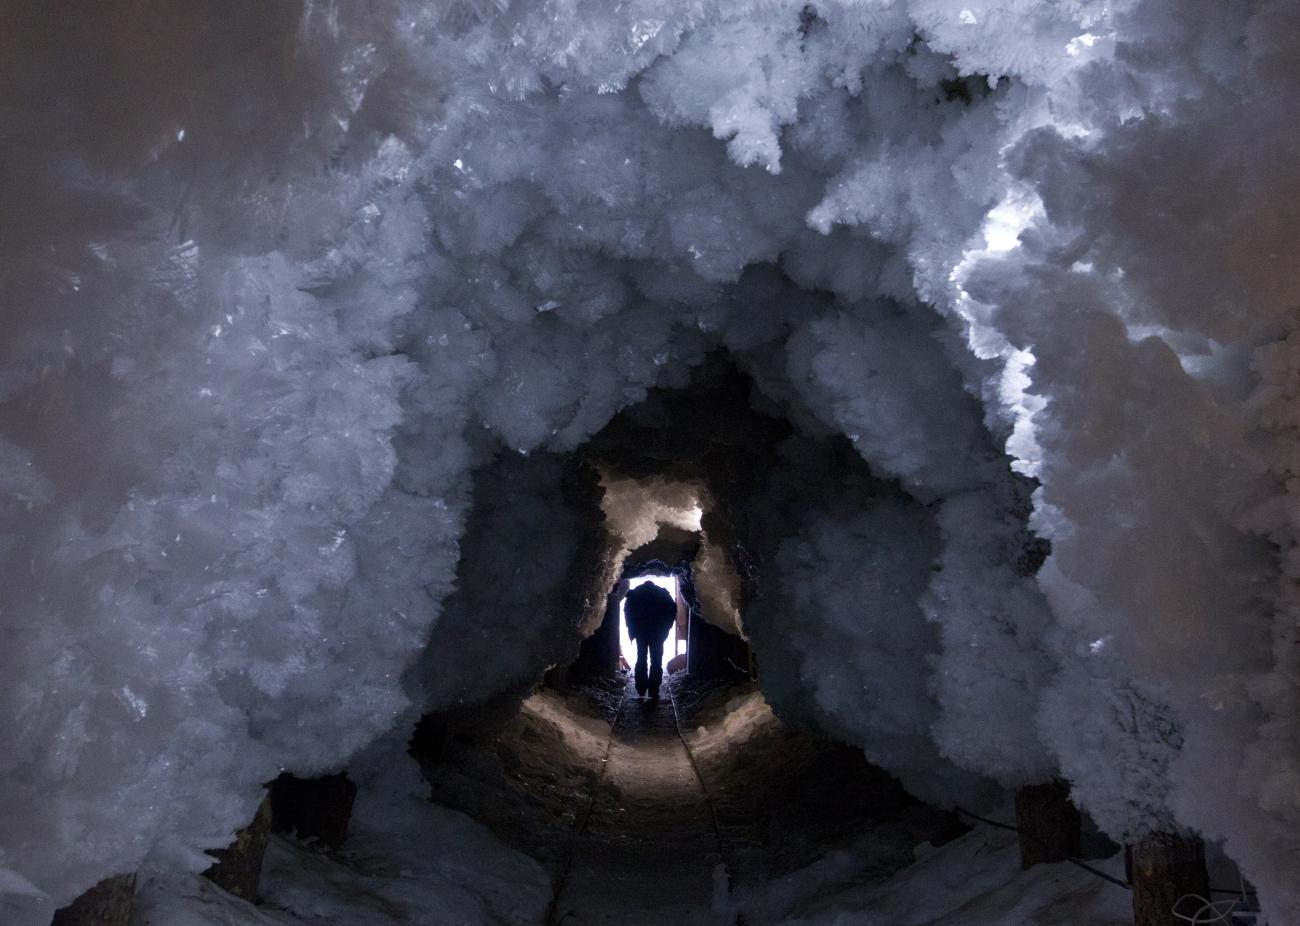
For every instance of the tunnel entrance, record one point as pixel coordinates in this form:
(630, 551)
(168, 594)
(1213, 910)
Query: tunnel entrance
(719, 799)
(768, 535)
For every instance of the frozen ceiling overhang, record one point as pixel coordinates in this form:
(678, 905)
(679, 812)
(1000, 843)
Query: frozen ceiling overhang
(274, 284)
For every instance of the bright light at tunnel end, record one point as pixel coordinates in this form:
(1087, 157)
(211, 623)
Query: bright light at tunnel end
(626, 645)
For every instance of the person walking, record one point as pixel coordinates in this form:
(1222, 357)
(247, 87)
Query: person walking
(651, 612)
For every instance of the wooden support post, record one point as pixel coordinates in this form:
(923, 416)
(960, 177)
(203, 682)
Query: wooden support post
(951, 826)
(239, 866)
(317, 810)
(1163, 868)
(1050, 825)
(108, 903)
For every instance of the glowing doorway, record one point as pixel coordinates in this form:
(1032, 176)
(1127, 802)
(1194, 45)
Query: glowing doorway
(675, 645)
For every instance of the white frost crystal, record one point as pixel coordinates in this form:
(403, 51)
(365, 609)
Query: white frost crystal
(271, 282)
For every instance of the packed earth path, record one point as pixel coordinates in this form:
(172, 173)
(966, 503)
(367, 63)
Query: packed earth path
(596, 793)
(648, 851)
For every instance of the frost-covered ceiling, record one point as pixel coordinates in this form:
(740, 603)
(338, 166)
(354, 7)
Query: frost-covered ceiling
(275, 285)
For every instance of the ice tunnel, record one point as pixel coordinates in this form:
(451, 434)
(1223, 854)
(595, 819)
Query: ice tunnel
(939, 357)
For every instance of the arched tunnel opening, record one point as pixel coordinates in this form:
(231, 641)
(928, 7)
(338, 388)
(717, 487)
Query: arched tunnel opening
(558, 462)
(745, 794)
(689, 808)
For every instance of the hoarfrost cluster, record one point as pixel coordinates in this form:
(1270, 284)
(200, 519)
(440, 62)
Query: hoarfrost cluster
(277, 285)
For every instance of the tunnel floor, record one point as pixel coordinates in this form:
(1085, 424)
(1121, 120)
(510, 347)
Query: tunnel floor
(598, 786)
(648, 853)
(579, 805)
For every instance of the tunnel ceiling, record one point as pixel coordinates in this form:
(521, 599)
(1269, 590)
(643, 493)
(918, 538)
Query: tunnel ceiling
(284, 290)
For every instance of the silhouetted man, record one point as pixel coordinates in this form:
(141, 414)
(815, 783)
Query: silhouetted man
(651, 613)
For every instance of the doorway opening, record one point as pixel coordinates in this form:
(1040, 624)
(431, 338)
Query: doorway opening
(676, 643)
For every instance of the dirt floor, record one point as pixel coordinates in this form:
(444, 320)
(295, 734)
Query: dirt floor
(648, 853)
(626, 827)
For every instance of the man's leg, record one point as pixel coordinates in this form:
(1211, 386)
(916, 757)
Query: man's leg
(656, 667)
(640, 667)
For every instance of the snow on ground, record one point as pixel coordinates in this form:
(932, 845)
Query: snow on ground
(881, 872)
(973, 881)
(406, 861)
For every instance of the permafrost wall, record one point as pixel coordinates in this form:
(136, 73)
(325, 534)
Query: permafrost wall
(275, 284)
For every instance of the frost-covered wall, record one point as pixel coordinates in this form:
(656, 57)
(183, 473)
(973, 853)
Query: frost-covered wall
(844, 562)
(268, 279)
(510, 613)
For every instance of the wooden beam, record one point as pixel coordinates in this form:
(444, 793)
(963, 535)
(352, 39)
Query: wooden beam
(317, 810)
(1050, 825)
(1165, 867)
(108, 903)
(238, 868)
